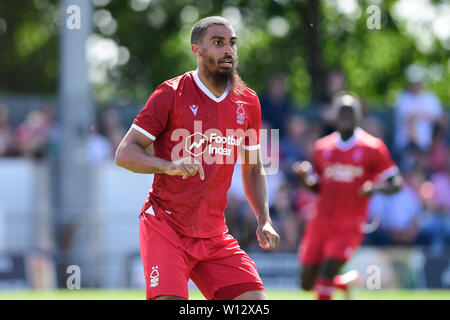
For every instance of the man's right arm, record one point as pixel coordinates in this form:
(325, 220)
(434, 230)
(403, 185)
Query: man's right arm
(131, 155)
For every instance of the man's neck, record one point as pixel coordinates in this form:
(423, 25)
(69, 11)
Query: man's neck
(217, 91)
(347, 134)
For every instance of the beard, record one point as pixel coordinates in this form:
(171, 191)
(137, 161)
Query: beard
(221, 76)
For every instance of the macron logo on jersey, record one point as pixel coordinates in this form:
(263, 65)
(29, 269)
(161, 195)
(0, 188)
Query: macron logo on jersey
(194, 109)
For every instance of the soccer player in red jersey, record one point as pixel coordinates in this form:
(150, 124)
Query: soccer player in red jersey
(198, 123)
(348, 166)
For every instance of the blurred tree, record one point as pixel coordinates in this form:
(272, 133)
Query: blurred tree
(310, 14)
(140, 43)
(374, 60)
(28, 46)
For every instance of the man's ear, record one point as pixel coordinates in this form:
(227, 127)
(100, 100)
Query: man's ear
(196, 50)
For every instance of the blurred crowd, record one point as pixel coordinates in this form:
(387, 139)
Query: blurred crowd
(38, 136)
(416, 131)
(35, 138)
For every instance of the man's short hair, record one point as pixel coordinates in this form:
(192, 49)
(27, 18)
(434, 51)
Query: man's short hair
(347, 99)
(200, 27)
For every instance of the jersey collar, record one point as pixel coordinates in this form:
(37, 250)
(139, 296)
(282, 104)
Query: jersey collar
(206, 90)
(345, 145)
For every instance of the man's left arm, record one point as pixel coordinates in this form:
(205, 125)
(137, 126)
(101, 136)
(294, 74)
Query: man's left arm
(388, 180)
(391, 185)
(255, 189)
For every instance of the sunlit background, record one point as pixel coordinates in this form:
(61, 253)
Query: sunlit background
(68, 96)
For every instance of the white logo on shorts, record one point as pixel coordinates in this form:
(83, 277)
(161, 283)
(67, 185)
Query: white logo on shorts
(154, 277)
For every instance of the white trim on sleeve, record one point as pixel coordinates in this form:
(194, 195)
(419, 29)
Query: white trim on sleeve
(255, 147)
(389, 172)
(147, 134)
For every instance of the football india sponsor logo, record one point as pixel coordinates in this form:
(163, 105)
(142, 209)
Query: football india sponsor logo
(240, 113)
(214, 146)
(199, 143)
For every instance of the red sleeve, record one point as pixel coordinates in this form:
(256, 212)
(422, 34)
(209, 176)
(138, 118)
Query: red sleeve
(383, 165)
(316, 160)
(154, 117)
(251, 141)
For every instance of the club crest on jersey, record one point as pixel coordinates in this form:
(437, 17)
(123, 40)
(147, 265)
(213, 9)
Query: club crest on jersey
(240, 113)
(194, 109)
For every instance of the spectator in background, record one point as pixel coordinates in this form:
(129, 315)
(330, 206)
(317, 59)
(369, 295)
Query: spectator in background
(439, 151)
(291, 145)
(374, 126)
(32, 136)
(315, 131)
(111, 127)
(238, 214)
(417, 111)
(6, 133)
(441, 189)
(99, 148)
(395, 218)
(435, 224)
(104, 139)
(336, 82)
(53, 129)
(276, 105)
(285, 218)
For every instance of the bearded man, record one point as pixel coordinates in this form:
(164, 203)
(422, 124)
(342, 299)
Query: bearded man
(198, 123)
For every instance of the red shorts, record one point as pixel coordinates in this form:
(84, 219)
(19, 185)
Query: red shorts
(322, 242)
(217, 265)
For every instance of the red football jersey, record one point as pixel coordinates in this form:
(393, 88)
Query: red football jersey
(342, 168)
(186, 120)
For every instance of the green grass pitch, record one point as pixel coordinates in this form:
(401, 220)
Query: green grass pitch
(92, 294)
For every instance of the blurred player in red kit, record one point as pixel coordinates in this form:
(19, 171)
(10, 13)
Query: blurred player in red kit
(206, 116)
(348, 166)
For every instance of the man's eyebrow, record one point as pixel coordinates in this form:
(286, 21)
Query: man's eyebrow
(222, 38)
